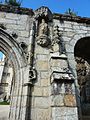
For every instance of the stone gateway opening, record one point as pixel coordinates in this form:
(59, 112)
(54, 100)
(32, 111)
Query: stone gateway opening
(82, 57)
(6, 85)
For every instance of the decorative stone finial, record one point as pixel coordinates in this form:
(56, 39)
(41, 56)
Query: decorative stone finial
(43, 12)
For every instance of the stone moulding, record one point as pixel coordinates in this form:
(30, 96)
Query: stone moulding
(12, 50)
(61, 56)
(72, 18)
(59, 76)
(17, 10)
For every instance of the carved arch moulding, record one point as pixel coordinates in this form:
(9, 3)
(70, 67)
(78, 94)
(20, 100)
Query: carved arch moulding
(12, 51)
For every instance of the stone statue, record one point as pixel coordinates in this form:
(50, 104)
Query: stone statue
(43, 28)
(42, 38)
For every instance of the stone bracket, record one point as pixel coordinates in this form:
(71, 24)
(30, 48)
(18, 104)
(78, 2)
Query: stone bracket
(62, 76)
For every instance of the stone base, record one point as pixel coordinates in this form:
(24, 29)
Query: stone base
(64, 113)
(43, 40)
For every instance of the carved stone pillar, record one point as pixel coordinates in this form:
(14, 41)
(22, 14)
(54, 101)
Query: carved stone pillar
(56, 42)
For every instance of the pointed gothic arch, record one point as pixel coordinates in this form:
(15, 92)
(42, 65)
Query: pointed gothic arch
(13, 51)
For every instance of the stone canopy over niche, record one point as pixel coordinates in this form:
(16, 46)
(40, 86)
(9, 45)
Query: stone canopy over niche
(43, 12)
(43, 15)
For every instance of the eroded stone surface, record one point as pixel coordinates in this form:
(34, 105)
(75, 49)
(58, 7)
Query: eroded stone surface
(45, 105)
(70, 100)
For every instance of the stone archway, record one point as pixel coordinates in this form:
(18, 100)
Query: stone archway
(12, 50)
(82, 57)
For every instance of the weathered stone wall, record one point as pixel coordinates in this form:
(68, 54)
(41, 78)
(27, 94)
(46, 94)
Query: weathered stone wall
(17, 26)
(38, 99)
(72, 32)
(16, 23)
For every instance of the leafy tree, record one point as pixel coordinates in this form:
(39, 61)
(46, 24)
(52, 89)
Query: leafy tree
(13, 2)
(71, 12)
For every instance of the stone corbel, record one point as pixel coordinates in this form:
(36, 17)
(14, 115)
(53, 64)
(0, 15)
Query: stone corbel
(43, 40)
(32, 74)
(32, 77)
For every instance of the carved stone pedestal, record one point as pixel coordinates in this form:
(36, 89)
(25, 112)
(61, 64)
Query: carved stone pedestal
(43, 40)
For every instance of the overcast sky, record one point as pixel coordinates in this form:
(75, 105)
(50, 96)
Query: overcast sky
(82, 7)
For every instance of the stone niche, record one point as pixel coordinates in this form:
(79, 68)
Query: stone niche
(62, 82)
(63, 96)
(63, 91)
(43, 17)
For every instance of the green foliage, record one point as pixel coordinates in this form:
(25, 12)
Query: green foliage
(4, 103)
(13, 2)
(71, 12)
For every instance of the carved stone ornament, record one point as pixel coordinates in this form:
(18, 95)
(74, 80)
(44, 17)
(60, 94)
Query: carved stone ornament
(2, 26)
(56, 35)
(14, 34)
(43, 12)
(43, 41)
(81, 70)
(57, 42)
(32, 74)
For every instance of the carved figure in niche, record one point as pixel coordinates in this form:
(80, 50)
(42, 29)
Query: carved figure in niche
(42, 38)
(68, 88)
(56, 88)
(43, 28)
